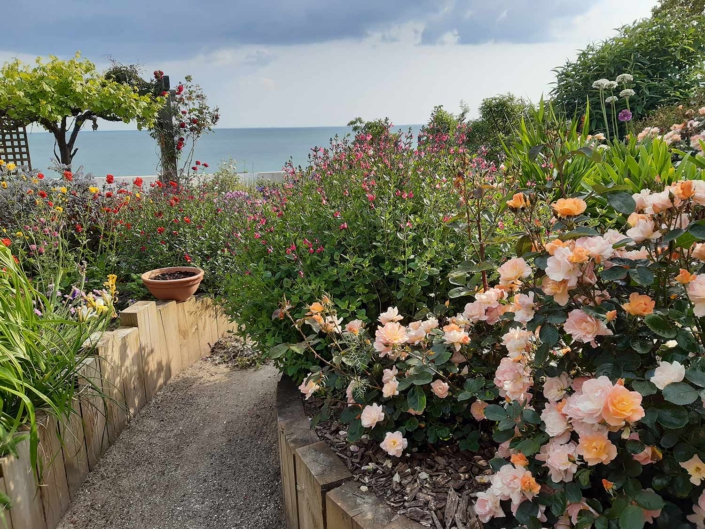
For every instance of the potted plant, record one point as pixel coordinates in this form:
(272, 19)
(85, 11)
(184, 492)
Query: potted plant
(177, 283)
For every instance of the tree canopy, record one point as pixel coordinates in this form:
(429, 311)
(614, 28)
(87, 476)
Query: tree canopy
(62, 96)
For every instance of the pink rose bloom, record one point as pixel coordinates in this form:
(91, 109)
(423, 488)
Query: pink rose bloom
(622, 405)
(506, 483)
(556, 422)
(308, 387)
(389, 374)
(490, 298)
(391, 315)
(558, 289)
(696, 293)
(513, 379)
(699, 251)
(599, 248)
(349, 392)
(391, 334)
(585, 328)
(644, 230)
(517, 341)
(587, 404)
(371, 415)
(574, 509)
(440, 389)
(513, 270)
(560, 459)
(394, 444)
(478, 410)
(354, 326)
(559, 267)
(390, 388)
(456, 338)
(503, 450)
(698, 516)
(493, 314)
(554, 388)
(429, 324)
(577, 384)
(415, 335)
(524, 307)
(475, 311)
(487, 507)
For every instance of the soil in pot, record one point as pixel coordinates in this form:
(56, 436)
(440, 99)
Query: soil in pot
(169, 276)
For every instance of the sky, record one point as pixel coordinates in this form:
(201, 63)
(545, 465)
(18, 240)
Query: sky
(289, 63)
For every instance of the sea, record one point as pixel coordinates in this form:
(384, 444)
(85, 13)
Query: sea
(135, 153)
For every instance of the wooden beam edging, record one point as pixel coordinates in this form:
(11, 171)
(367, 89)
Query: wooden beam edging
(130, 365)
(319, 491)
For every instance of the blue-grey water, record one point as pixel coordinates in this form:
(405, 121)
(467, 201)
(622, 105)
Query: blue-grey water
(134, 153)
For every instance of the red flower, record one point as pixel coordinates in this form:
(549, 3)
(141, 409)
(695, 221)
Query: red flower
(205, 164)
(7, 242)
(79, 228)
(182, 125)
(109, 194)
(160, 230)
(138, 182)
(187, 257)
(194, 168)
(344, 226)
(198, 163)
(42, 193)
(40, 176)
(187, 220)
(68, 175)
(110, 179)
(194, 121)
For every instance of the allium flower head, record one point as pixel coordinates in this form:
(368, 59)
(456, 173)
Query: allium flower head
(625, 78)
(601, 84)
(627, 92)
(611, 99)
(625, 115)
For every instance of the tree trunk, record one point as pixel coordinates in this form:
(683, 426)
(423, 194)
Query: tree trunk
(64, 156)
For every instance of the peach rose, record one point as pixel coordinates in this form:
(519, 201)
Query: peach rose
(308, 387)
(639, 304)
(440, 389)
(392, 314)
(354, 326)
(386, 337)
(394, 444)
(684, 277)
(696, 293)
(519, 460)
(585, 328)
(390, 388)
(569, 207)
(513, 270)
(622, 405)
(488, 506)
(699, 251)
(478, 410)
(558, 289)
(696, 469)
(596, 449)
(518, 201)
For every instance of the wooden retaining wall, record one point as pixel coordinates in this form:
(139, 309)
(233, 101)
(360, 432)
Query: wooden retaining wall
(319, 491)
(156, 342)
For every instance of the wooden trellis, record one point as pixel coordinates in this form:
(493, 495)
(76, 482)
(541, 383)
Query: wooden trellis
(14, 146)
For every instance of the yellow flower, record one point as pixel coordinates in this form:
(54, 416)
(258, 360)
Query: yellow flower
(11, 166)
(59, 209)
(4, 184)
(2, 162)
(138, 195)
(93, 189)
(63, 189)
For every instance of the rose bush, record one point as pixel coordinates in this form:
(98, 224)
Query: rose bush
(582, 362)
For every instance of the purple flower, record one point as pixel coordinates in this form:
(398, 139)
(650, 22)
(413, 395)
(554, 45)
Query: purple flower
(625, 115)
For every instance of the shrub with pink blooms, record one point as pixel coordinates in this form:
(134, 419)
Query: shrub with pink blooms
(580, 359)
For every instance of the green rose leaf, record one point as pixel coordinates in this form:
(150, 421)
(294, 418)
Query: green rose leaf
(680, 393)
(697, 229)
(614, 274)
(495, 413)
(632, 517)
(696, 376)
(649, 500)
(644, 387)
(473, 385)
(622, 202)
(416, 398)
(672, 417)
(549, 334)
(660, 325)
(278, 350)
(642, 275)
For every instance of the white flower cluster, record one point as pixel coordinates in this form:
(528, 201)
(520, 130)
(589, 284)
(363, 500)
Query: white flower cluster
(604, 84)
(625, 78)
(611, 99)
(627, 92)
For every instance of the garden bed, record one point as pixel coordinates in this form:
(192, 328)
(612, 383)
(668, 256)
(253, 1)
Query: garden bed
(326, 486)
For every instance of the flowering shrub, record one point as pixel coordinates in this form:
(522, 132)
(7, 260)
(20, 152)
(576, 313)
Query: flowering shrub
(582, 363)
(371, 221)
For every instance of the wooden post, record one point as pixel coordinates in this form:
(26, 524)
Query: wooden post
(93, 410)
(155, 365)
(169, 329)
(52, 471)
(189, 331)
(164, 128)
(74, 445)
(294, 432)
(112, 370)
(127, 350)
(318, 470)
(21, 485)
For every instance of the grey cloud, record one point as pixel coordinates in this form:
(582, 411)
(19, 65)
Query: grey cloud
(134, 30)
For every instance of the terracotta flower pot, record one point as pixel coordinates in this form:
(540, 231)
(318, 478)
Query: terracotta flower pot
(173, 289)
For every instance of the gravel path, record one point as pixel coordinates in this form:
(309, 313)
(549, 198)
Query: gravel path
(201, 455)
